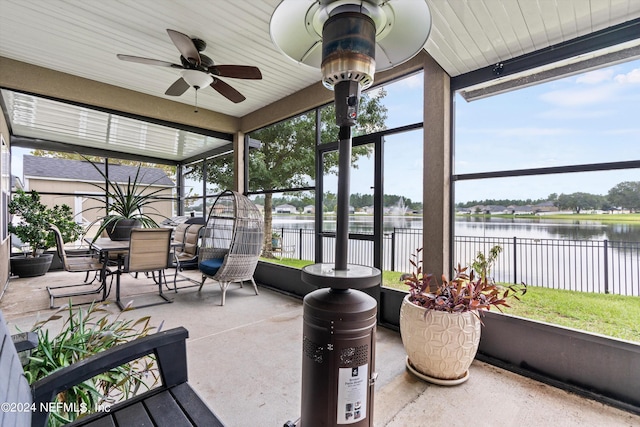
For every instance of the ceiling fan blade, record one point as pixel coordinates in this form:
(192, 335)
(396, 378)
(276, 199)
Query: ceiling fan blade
(185, 45)
(148, 61)
(227, 91)
(236, 71)
(179, 87)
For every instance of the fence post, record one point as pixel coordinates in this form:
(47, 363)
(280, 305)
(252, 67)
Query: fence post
(300, 243)
(515, 260)
(393, 249)
(606, 266)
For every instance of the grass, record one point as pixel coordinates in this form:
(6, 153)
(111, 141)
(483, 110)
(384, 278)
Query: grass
(611, 315)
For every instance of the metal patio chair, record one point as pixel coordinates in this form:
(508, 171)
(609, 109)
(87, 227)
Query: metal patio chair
(79, 262)
(149, 253)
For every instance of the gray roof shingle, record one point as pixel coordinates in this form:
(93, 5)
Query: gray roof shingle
(81, 170)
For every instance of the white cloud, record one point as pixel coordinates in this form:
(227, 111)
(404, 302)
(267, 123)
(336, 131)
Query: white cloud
(597, 76)
(522, 131)
(631, 77)
(579, 97)
(414, 81)
(570, 114)
(623, 131)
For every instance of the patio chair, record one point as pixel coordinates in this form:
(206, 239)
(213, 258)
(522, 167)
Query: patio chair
(231, 242)
(149, 253)
(185, 253)
(79, 262)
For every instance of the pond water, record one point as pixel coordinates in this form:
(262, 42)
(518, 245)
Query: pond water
(485, 227)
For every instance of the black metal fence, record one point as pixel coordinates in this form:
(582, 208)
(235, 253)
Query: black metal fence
(599, 266)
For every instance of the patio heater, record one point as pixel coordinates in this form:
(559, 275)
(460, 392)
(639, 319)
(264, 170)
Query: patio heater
(348, 40)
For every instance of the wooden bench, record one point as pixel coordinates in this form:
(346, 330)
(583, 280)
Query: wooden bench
(173, 403)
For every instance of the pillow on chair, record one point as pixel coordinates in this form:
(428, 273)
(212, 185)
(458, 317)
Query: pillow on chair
(210, 266)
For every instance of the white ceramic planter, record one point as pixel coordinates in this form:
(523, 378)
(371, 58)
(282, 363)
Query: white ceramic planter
(440, 346)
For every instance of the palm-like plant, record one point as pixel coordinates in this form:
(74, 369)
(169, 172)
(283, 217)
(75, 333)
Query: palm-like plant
(125, 201)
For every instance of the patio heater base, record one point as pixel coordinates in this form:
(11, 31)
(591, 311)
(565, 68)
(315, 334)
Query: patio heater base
(338, 360)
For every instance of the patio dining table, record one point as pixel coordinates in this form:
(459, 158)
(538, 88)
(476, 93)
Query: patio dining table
(119, 248)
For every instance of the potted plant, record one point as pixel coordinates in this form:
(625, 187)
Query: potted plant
(440, 322)
(31, 225)
(275, 240)
(126, 205)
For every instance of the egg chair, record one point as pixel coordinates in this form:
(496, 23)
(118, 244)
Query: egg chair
(231, 242)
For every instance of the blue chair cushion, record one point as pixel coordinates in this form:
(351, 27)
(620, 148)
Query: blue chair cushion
(210, 266)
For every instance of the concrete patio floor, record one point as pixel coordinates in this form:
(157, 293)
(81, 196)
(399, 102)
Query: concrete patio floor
(245, 360)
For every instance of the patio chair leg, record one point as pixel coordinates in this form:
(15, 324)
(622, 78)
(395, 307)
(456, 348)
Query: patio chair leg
(255, 287)
(202, 283)
(175, 280)
(223, 288)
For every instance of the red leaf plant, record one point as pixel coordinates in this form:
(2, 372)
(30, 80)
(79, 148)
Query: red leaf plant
(465, 292)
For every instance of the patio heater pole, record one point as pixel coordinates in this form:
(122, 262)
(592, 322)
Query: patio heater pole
(344, 194)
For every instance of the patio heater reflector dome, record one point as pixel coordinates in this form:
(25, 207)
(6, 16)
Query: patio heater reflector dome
(401, 28)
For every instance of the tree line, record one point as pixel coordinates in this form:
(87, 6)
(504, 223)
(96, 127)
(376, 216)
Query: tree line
(357, 201)
(625, 195)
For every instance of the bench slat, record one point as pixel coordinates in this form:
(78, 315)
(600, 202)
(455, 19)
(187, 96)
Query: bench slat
(102, 422)
(133, 415)
(194, 407)
(165, 411)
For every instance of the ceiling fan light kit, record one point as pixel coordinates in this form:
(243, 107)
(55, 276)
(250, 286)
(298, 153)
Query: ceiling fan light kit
(348, 40)
(196, 79)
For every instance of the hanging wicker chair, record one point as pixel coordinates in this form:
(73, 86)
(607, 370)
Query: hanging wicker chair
(231, 242)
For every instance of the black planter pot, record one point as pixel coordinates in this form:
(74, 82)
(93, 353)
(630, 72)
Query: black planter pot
(121, 230)
(22, 266)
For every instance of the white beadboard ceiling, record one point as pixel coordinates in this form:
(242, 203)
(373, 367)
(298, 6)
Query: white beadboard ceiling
(82, 37)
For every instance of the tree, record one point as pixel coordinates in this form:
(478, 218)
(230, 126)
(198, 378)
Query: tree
(625, 195)
(579, 201)
(286, 158)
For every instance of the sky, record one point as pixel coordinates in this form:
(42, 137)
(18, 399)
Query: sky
(583, 119)
(588, 118)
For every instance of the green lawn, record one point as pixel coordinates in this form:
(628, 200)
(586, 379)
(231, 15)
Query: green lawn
(612, 315)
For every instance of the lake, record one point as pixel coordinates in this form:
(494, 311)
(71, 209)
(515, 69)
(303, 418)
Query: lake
(484, 227)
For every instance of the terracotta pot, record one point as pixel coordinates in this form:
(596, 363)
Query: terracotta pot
(440, 346)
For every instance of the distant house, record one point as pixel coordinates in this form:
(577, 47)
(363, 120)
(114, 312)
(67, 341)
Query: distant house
(490, 209)
(545, 207)
(520, 210)
(286, 209)
(73, 179)
(309, 209)
(368, 210)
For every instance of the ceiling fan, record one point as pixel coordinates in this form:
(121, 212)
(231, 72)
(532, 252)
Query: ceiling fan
(198, 70)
